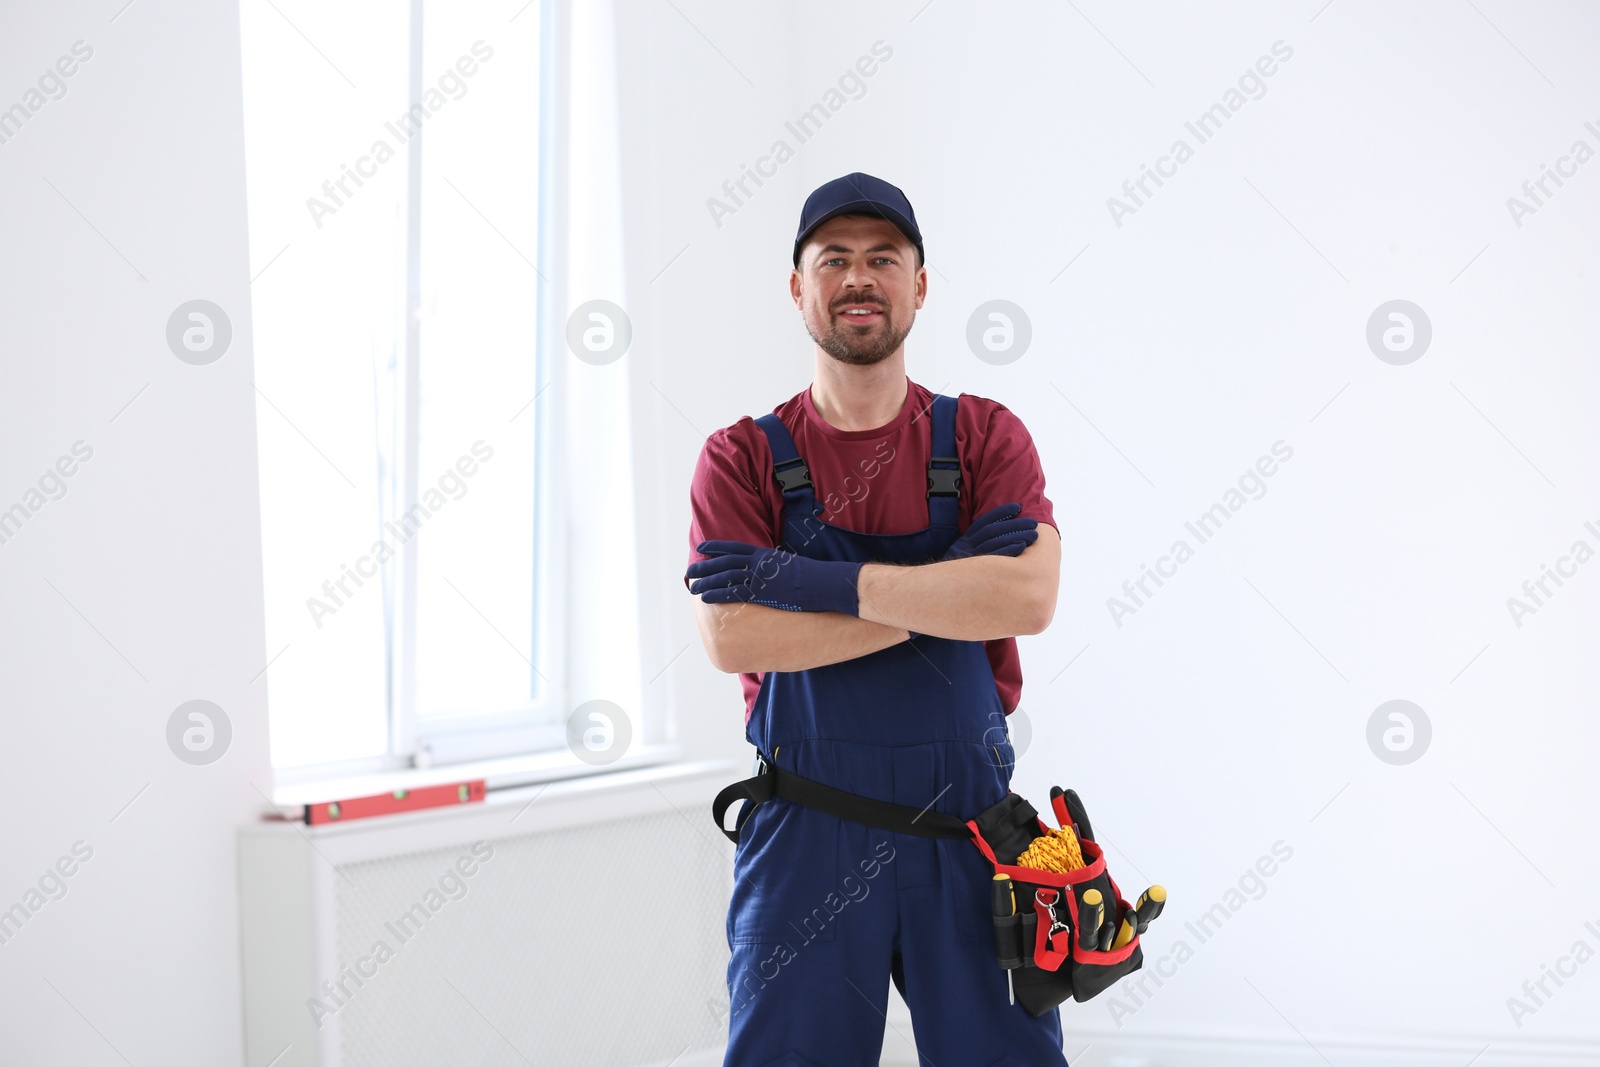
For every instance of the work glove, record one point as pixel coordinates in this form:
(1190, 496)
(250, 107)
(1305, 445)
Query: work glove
(997, 532)
(773, 577)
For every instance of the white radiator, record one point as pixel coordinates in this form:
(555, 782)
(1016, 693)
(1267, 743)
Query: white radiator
(585, 927)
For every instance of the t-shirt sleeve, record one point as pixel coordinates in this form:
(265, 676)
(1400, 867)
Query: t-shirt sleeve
(725, 499)
(1009, 470)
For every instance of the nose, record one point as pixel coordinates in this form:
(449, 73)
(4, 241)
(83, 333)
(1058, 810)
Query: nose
(857, 277)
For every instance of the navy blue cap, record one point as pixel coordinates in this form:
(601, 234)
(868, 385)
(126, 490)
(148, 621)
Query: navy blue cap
(858, 194)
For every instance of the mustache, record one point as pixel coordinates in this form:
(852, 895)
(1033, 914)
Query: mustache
(857, 300)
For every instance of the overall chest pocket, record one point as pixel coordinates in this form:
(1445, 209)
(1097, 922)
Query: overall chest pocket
(786, 876)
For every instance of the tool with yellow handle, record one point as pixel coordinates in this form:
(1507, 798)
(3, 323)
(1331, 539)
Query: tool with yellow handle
(1125, 932)
(1138, 917)
(1091, 913)
(1004, 911)
(1149, 906)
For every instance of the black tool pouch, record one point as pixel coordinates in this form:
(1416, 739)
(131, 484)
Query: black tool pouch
(1058, 957)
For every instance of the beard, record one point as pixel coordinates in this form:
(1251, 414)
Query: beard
(850, 344)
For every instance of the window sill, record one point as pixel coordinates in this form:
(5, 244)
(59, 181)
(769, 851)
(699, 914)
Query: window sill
(507, 772)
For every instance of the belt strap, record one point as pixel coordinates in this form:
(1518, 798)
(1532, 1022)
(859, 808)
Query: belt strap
(772, 782)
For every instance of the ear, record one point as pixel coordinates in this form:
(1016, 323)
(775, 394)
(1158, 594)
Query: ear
(797, 289)
(921, 286)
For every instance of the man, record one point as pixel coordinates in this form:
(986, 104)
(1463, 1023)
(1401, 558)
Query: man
(864, 558)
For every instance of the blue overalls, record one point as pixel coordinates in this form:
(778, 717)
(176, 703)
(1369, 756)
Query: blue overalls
(825, 909)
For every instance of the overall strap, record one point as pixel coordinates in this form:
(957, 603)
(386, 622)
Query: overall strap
(793, 476)
(944, 465)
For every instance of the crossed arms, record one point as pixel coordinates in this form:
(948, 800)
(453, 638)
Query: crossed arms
(980, 598)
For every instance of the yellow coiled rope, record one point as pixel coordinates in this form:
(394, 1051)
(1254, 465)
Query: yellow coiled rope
(1056, 851)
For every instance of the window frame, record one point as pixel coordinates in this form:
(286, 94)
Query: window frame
(531, 733)
(526, 728)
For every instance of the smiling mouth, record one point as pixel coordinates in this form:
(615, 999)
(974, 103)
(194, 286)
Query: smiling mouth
(862, 314)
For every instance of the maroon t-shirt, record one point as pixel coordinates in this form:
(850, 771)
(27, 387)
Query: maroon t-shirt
(870, 481)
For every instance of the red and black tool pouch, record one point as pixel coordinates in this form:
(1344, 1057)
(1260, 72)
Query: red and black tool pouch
(1058, 958)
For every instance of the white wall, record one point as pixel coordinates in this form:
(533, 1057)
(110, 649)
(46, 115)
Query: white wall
(139, 589)
(1230, 712)
(1226, 314)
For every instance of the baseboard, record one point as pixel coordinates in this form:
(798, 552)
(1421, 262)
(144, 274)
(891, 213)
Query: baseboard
(705, 1058)
(1111, 1049)
(1091, 1047)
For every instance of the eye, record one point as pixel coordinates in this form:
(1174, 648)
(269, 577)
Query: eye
(885, 259)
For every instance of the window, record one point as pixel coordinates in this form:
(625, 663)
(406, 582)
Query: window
(394, 178)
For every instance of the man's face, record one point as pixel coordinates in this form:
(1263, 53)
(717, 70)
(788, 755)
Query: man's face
(859, 287)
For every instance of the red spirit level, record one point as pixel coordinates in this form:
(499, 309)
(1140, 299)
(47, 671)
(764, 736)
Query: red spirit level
(432, 796)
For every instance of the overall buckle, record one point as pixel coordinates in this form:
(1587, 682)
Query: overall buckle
(944, 481)
(792, 475)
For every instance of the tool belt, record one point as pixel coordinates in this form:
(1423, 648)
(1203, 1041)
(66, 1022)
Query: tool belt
(1050, 956)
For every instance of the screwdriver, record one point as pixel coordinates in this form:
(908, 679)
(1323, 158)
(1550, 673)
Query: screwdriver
(1004, 907)
(1151, 901)
(1089, 918)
